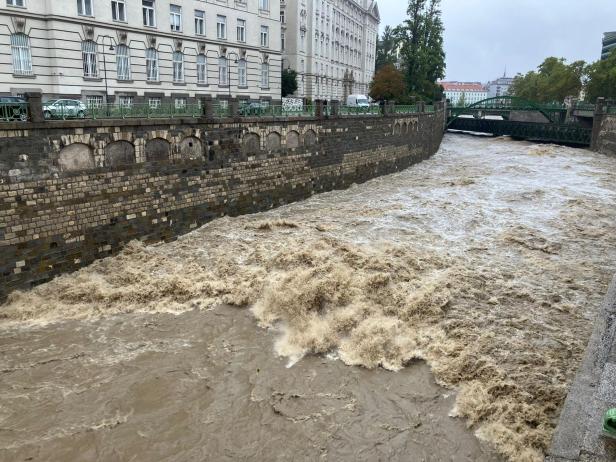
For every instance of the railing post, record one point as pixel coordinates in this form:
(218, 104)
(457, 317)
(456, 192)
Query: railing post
(421, 106)
(335, 108)
(234, 108)
(319, 109)
(599, 106)
(207, 107)
(35, 106)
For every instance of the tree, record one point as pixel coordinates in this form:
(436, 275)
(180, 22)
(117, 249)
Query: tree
(554, 80)
(388, 84)
(601, 79)
(462, 100)
(289, 82)
(421, 40)
(386, 49)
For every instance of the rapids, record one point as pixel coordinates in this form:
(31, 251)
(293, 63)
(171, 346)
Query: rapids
(488, 262)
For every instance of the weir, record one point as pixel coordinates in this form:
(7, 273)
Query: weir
(76, 191)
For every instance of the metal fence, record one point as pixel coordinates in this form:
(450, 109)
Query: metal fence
(360, 110)
(12, 111)
(146, 111)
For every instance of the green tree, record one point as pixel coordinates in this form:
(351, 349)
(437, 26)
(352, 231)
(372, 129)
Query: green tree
(421, 40)
(289, 82)
(388, 84)
(554, 80)
(386, 49)
(601, 79)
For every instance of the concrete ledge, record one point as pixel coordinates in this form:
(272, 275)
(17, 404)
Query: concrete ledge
(578, 435)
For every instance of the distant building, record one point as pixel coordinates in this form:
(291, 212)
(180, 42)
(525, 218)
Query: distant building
(473, 92)
(609, 44)
(500, 86)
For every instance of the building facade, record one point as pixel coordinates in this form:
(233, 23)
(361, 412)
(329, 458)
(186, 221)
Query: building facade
(464, 92)
(609, 44)
(141, 51)
(331, 44)
(500, 86)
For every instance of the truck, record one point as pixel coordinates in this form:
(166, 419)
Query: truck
(357, 101)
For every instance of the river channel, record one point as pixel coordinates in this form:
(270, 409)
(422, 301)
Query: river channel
(436, 314)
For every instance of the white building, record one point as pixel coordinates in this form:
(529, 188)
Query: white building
(500, 86)
(469, 92)
(141, 51)
(331, 44)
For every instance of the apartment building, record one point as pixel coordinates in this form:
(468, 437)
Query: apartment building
(331, 44)
(141, 51)
(465, 93)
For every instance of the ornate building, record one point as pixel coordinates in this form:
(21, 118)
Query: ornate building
(609, 44)
(331, 44)
(147, 51)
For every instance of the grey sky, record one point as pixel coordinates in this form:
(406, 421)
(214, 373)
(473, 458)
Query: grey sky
(484, 36)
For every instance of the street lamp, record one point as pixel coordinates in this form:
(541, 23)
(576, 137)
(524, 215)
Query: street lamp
(229, 69)
(111, 48)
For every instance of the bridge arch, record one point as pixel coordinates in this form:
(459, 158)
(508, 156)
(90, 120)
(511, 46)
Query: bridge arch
(502, 103)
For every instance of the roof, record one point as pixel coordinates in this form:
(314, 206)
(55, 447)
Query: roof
(463, 86)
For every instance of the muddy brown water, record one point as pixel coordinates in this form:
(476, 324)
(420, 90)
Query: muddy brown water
(436, 314)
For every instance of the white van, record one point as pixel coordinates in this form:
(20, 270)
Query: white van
(357, 101)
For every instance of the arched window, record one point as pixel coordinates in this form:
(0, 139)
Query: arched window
(201, 69)
(178, 67)
(22, 56)
(265, 75)
(242, 77)
(89, 52)
(151, 64)
(123, 62)
(223, 71)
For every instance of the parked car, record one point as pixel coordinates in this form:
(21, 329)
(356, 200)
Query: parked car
(13, 108)
(357, 101)
(64, 109)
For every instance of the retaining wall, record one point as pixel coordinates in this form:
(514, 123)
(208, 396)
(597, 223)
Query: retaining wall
(75, 191)
(604, 134)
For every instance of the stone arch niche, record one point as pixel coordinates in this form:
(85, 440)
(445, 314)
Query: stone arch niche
(293, 140)
(119, 153)
(273, 141)
(310, 138)
(405, 128)
(251, 143)
(77, 156)
(191, 148)
(157, 150)
(397, 129)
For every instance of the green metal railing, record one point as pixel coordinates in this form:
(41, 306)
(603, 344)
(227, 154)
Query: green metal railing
(10, 112)
(586, 107)
(115, 111)
(359, 110)
(276, 111)
(429, 108)
(406, 109)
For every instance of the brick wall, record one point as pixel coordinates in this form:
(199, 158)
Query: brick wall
(75, 191)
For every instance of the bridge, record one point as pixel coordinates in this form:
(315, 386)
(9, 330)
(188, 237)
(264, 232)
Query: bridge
(519, 118)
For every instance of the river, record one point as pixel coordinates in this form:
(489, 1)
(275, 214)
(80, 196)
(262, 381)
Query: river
(439, 313)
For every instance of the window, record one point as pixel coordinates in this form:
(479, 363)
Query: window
(149, 14)
(241, 30)
(180, 103)
(94, 101)
(126, 102)
(282, 41)
(178, 67)
(264, 5)
(264, 36)
(84, 7)
(89, 54)
(201, 69)
(151, 64)
(176, 18)
(223, 71)
(22, 56)
(118, 10)
(282, 18)
(241, 73)
(123, 62)
(199, 22)
(221, 27)
(264, 75)
(154, 103)
(15, 3)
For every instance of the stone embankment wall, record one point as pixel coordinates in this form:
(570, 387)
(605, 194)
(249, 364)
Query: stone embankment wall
(604, 136)
(75, 191)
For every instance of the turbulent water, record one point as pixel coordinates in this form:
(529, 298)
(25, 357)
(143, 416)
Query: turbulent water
(488, 261)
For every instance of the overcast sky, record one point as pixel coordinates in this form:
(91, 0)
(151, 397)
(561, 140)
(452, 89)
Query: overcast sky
(484, 36)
